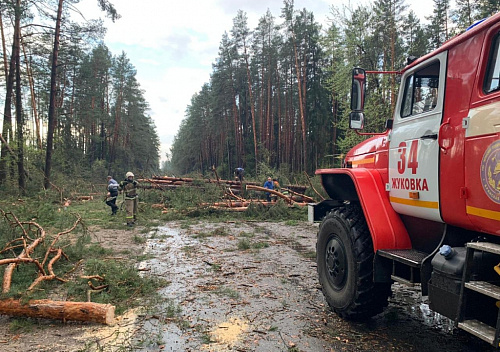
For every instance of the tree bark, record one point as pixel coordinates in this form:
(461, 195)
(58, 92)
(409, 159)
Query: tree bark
(4, 49)
(301, 102)
(19, 104)
(7, 113)
(29, 73)
(252, 108)
(60, 310)
(53, 93)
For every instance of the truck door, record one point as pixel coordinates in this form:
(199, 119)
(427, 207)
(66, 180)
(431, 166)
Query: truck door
(482, 142)
(413, 150)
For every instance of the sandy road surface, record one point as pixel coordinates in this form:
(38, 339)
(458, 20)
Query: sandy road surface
(241, 286)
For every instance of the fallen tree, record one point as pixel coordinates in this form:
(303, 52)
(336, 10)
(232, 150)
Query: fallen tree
(60, 310)
(31, 237)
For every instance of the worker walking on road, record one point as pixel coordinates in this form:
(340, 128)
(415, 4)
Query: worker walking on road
(112, 194)
(129, 186)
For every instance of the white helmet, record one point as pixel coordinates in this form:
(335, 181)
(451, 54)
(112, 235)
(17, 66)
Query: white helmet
(129, 174)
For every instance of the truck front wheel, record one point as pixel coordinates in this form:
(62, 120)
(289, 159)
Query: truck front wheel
(344, 253)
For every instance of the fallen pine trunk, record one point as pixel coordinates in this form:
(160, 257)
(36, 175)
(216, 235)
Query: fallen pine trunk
(60, 310)
(262, 189)
(84, 197)
(234, 208)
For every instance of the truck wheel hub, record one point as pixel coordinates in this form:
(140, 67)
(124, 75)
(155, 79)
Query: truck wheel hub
(336, 263)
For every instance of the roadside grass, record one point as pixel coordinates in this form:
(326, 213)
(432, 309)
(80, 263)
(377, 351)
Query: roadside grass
(245, 244)
(217, 232)
(21, 325)
(125, 287)
(308, 254)
(228, 292)
(139, 239)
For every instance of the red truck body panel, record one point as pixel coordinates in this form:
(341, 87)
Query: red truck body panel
(386, 227)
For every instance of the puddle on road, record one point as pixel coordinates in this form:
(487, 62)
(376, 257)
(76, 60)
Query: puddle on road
(166, 246)
(170, 261)
(410, 300)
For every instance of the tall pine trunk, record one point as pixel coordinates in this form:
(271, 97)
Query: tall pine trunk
(7, 114)
(53, 92)
(19, 108)
(252, 109)
(29, 73)
(298, 71)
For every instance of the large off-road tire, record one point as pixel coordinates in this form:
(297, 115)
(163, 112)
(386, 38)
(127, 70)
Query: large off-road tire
(344, 254)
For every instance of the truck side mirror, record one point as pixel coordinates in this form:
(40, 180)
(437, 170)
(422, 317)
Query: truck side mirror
(358, 88)
(356, 120)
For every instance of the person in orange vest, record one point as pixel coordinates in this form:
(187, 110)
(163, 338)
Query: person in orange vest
(129, 186)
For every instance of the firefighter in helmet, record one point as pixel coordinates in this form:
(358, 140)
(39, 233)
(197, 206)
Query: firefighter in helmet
(129, 186)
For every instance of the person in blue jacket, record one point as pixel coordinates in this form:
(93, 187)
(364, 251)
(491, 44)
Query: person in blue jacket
(269, 184)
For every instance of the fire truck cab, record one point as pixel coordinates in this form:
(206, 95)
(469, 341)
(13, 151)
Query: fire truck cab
(420, 203)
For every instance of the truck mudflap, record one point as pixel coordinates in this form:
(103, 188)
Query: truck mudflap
(367, 187)
(321, 209)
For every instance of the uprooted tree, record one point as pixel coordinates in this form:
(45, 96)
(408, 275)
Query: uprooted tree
(20, 250)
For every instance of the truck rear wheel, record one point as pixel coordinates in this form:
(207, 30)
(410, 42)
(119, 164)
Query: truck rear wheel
(344, 254)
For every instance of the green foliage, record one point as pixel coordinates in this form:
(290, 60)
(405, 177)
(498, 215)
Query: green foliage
(139, 239)
(219, 231)
(17, 326)
(277, 212)
(243, 244)
(228, 292)
(125, 289)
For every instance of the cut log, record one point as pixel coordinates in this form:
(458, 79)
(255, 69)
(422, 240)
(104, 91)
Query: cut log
(84, 197)
(60, 310)
(262, 189)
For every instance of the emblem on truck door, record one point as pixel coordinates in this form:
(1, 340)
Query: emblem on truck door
(490, 171)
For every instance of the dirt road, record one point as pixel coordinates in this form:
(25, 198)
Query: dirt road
(253, 287)
(243, 286)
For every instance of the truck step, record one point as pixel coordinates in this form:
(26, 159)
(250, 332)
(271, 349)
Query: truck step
(402, 280)
(485, 288)
(409, 257)
(479, 329)
(485, 246)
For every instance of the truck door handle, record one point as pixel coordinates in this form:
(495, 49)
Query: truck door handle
(442, 141)
(430, 136)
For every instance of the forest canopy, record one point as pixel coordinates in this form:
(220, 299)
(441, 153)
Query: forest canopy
(71, 108)
(279, 93)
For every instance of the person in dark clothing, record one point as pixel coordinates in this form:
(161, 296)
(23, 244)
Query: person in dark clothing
(239, 173)
(269, 184)
(112, 194)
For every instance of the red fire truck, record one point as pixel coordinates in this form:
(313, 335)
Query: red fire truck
(420, 203)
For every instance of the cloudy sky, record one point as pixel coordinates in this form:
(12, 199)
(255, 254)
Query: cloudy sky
(173, 44)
